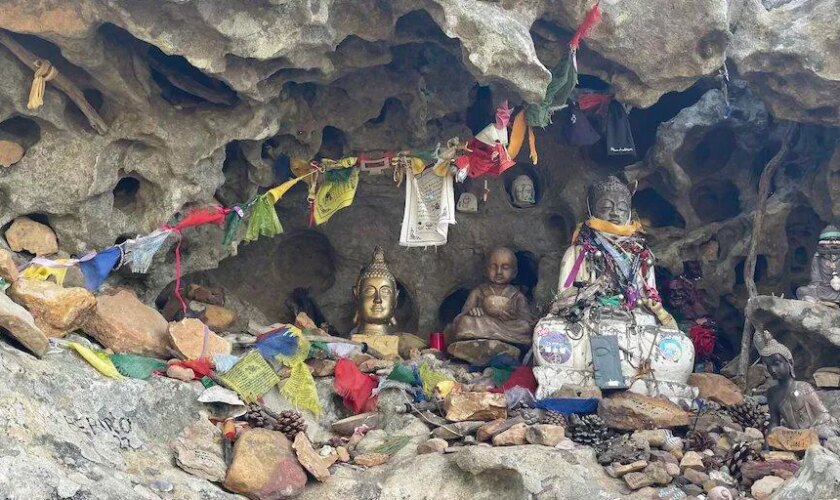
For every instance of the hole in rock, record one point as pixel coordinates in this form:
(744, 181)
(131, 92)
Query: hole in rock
(21, 130)
(406, 314)
(799, 262)
(391, 105)
(760, 269)
(333, 143)
(656, 211)
(182, 84)
(715, 200)
(558, 226)
(419, 25)
(528, 272)
(452, 306)
(481, 112)
(645, 121)
(802, 228)
(122, 238)
(711, 153)
(692, 269)
(75, 115)
(512, 174)
(125, 193)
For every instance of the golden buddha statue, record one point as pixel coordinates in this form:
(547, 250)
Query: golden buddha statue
(376, 296)
(496, 310)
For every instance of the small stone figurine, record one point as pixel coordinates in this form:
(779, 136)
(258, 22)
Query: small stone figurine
(496, 310)
(523, 192)
(793, 403)
(825, 270)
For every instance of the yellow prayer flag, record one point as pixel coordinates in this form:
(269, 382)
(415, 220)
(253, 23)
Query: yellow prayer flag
(332, 197)
(100, 361)
(276, 193)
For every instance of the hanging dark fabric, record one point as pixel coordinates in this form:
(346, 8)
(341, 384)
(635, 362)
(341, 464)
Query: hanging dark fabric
(577, 131)
(619, 137)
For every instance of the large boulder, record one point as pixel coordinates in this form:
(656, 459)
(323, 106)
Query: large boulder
(265, 467)
(631, 411)
(187, 337)
(124, 324)
(57, 310)
(811, 331)
(818, 478)
(27, 235)
(17, 322)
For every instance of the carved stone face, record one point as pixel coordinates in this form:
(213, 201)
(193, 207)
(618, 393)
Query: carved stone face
(501, 267)
(523, 191)
(777, 366)
(376, 301)
(612, 207)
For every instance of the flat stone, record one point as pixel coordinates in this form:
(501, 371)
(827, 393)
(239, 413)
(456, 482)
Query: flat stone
(374, 365)
(755, 470)
(180, 373)
(321, 367)
(695, 476)
(716, 388)
(27, 235)
(481, 352)
(665, 456)
(123, 324)
(206, 294)
(618, 470)
(658, 473)
(461, 405)
(764, 487)
(784, 439)
(17, 322)
(673, 469)
(343, 454)
(637, 480)
(457, 430)
(781, 455)
(198, 450)
(57, 310)
(511, 437)
(310, 459)
(546, 435)
(10, 153)
(264, 467)
(8, 268)
(434, 445)
(630, 411)
(495, 427)
(218, 318)
(386, 345)
(828, 377)
(692, 460)
(187, 336)
(654, 437)
(371, 459)
(409, 343)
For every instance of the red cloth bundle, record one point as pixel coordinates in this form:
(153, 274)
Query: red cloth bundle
(354, 386)
(591, 19)
(704, 340)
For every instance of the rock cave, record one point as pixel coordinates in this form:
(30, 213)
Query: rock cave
(153, 112)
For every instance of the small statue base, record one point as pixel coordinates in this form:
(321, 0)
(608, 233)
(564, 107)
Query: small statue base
(387, 345)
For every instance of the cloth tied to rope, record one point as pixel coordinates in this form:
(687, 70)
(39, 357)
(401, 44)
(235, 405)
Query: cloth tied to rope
(44, 72)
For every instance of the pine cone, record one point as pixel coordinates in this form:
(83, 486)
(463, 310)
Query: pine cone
(750, 414)
(554, 418)
(531, 415)
(589, 430)
(622, 450)
(699, 441)
(740, 454)
(290, 422)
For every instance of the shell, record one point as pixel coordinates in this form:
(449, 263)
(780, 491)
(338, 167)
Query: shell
(673, 443)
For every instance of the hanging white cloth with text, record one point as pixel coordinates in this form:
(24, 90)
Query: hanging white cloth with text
(429, 209)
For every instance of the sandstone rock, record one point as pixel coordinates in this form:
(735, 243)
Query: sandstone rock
(630, 411)
(664, 456)
(180, 373)
(658, 473)
(10, 153)
(198, 450)
(374, 365)
(490, 429)
(433, 445)
(511, 437)
(811, 482)
(207, 295)
(480, 352)
(218, 318)
(343, 454)
(764, 487)
(695, 476)
(187, 336)
(618, 470)
(784, 439)
(125, 325)
(17, 322)
(716, 388)
(755, 470)
(827, 377)
(8, 268)
(753, 434)
(27, 235)
(57, 310)
(264, 467)
(692, 460)
(460, 406)
(672, 469)
(371, 459)
(321, 367)
(313, 462)
(778, 455)
(637, 480)
(304, 322)
(409, 344)
(546, 435)
(654, 437)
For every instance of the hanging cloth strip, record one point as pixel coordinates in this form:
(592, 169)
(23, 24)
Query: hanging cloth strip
(263, 221)
(45, 72)
(140, 251)
(97, 268)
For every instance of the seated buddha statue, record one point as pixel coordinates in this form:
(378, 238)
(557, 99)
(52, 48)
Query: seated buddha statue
(825, 271)
(607, 287)
(496, 310)
(376, 297)
(793, 404)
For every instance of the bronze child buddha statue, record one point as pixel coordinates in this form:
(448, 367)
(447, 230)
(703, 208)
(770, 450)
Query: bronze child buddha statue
(793, 403)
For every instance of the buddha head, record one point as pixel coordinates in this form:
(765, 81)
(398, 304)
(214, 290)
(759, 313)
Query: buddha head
(776, 357)
(609, 200)
(523, 191)
(501, 266)
(376, 295)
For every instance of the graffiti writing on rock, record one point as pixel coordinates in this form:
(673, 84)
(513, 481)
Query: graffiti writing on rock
(110, 425)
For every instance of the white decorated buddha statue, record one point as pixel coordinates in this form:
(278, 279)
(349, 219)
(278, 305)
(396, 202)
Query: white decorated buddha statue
(607, 289)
